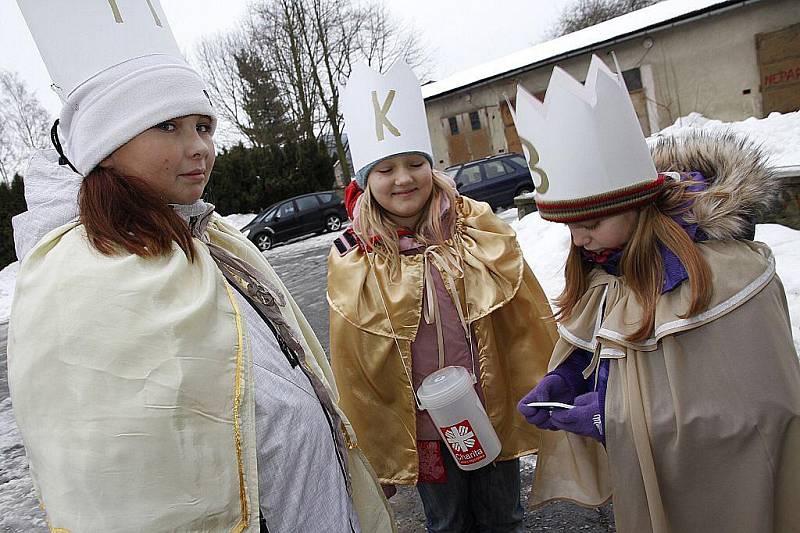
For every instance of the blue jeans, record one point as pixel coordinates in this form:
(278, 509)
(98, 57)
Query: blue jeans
(484, 500)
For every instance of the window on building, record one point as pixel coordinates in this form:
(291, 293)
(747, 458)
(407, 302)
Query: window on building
(633, 79)
(475, 120)
(453, 125)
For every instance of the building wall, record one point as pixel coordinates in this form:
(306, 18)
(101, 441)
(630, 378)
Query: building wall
(709, 65)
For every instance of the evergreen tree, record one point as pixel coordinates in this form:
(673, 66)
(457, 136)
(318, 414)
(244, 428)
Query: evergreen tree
(262, 103)
(248, 180)
(12, 202)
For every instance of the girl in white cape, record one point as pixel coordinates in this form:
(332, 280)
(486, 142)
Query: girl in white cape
(162, 377)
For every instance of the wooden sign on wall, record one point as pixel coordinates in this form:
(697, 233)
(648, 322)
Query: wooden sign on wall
(779, 64)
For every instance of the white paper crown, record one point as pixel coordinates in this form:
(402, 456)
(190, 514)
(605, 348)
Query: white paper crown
(384, 114)
(584, 146)
(79, 39)
(117, 69)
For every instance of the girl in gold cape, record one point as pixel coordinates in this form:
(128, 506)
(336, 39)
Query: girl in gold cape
(424, 273)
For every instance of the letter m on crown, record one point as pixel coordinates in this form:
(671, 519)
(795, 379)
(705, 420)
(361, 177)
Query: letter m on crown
(381, 110)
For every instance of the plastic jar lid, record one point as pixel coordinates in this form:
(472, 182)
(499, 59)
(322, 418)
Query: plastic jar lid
(444, 386)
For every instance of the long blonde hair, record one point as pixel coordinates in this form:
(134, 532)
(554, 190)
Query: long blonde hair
(374, 227)
(641, 261)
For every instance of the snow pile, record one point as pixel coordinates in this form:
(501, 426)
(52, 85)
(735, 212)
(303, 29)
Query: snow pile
(239, 221)
(778, 134)
(7, 277)
(785, 244)
(545, 246)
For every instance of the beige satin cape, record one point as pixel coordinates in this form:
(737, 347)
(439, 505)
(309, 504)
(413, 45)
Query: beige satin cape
(702, 419)
(131, 385)
(504, 304)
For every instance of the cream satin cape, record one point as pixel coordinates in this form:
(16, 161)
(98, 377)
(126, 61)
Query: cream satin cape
(503, 302)
(131, 385)
(702, 419)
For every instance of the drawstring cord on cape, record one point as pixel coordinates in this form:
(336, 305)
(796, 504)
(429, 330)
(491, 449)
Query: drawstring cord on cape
(450, 269)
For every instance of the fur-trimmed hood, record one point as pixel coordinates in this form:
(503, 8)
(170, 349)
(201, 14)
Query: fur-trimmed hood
(742, 187)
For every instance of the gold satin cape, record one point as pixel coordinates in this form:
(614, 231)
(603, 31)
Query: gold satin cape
(131, 380)
(702, 419)
(505, 306)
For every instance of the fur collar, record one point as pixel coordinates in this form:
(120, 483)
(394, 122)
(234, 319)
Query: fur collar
(742, 188)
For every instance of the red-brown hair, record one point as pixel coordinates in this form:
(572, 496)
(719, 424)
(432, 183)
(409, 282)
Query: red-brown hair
(641, 262)
(124, 213)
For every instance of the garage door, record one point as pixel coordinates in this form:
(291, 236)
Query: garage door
(779, 64)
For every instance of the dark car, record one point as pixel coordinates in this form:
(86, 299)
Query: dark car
(310, 213)
(495, 180)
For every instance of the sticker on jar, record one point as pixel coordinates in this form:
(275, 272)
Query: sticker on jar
(463, 443)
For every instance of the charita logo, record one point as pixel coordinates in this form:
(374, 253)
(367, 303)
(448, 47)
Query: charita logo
(463, 443)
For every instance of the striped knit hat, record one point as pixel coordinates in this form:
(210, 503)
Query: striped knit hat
(585, 147)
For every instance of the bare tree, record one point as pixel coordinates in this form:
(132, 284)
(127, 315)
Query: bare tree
(308, 48)
(276, 31)
(584, 13)
(335, 34)
(382, 40)
(216, 59)
(24, 124)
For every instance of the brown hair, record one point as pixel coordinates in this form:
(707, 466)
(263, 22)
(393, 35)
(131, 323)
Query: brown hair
(641, 262)
(432, 228)
(125, 213)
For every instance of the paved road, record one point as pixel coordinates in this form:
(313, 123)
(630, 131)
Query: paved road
(302, 267)
(19, 508)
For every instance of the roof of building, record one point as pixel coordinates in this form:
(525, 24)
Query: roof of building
(649, 18)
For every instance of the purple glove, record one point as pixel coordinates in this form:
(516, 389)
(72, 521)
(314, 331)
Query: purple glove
(583, 419)
(552, 388)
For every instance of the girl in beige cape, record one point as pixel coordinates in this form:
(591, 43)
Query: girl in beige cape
(675, 346)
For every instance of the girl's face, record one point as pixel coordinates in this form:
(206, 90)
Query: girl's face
(402, 185)
(604, 233)
(174, 157)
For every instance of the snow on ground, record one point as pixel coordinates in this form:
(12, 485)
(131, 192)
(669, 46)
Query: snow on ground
(239, 221)
(778, 134)
(299, 247)
(18, 501)
(7, 277)
(545, 246)
(785, 244)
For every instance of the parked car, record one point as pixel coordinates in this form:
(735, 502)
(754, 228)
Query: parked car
(496, 179)
(309, 213)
